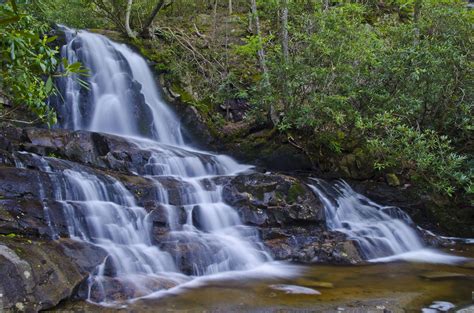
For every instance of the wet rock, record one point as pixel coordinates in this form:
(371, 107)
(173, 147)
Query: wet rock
(120, 290)
(22, 183)
(289, 218)
(147, 190)
(159, 214)
(98, 150)
(311, 245)
(196, 128)
(433, 240)
(28, 218)
(273, 200)
(190, 255)
(164, 218)
(38, 274)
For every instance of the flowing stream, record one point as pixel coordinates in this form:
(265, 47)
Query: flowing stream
(123, 99)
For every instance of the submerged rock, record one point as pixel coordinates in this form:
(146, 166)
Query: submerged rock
(314, 283)
(445, 275)
(293, 289)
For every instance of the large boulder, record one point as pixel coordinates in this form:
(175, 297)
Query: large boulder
(273, 200)
(311, 244)
(39, 274)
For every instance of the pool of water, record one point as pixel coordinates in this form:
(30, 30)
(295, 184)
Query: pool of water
(395, 287)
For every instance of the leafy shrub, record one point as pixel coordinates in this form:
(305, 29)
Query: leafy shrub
(28, 62)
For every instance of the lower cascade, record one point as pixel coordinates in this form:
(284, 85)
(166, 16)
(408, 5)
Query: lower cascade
(382, 233)
(206, 237)
(101, 211)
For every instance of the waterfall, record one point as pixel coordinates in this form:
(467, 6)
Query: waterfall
(382, 233)
(210, 240)
(205, 238)
(123, 98)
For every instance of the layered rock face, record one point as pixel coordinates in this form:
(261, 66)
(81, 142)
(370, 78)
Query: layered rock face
(43, 265)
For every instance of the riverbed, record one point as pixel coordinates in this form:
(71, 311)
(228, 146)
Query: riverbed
(395, 287)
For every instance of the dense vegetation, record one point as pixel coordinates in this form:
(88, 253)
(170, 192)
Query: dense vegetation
(388, 83)
(29, 64)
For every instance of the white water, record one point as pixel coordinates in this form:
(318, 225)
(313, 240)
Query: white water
(101, 211)
(382, 233)
(115, 71)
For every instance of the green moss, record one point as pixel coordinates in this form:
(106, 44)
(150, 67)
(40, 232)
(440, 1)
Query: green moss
(392, 179)
(203, 106)
(279, 196)
(295, 191)
(186, 97)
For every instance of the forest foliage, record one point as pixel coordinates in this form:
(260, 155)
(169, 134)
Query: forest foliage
(390, 80)
(29, 63)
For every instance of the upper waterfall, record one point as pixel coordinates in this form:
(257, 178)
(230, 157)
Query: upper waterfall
(123, 97)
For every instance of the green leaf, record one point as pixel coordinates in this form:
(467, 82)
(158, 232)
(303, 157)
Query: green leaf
(49, 85)
(43, 66)
(51, 39)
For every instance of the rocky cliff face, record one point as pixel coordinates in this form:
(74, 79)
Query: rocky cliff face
(40, 265)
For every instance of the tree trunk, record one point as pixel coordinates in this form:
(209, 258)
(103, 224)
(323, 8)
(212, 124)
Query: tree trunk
(285, 49)
(214, 22)
(284, 30)
(127, 19)
(326, 5)
(230, 7)
(261, 51)
(146, 27)
(416, 20)
(261, 59)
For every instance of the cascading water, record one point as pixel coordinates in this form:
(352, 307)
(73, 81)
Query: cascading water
(382, 233)
(123, 99)
(205, 236)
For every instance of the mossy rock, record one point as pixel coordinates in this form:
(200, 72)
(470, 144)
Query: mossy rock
(392, 179)
(296, 190)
